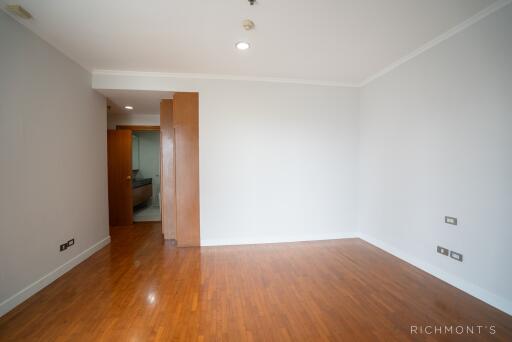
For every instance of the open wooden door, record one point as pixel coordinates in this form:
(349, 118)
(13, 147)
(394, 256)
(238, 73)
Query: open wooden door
(185, 109)
(179, 128)
(119, 145)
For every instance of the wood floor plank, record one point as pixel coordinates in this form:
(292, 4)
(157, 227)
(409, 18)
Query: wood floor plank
(142, 288)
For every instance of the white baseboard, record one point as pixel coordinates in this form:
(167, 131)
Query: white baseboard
(280, 239)
(475, 291)
(18, 298)
(498, 302)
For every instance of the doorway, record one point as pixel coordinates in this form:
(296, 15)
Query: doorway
(162, 183)
(146, 175)
(134, 191)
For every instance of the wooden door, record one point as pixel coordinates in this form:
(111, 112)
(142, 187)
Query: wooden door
(185, 113)
(119, 145)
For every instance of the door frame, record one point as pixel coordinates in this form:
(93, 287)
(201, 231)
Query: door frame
(139, 128)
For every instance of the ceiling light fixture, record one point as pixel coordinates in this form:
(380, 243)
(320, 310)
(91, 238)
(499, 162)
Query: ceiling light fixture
(128, 107)
(242, 45)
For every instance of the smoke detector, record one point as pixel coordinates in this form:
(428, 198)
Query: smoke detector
(248, 24)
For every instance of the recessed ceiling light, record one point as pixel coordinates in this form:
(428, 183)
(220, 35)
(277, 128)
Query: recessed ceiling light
(128, 107)
(242, 45)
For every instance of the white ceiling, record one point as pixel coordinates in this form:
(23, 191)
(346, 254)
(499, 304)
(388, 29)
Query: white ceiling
(345, 41)
(143, 102)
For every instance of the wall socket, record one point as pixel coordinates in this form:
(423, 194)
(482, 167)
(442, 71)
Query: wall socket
(451, 254)
(456, 256)
(450, 220)
(66, 245)
(442, 250)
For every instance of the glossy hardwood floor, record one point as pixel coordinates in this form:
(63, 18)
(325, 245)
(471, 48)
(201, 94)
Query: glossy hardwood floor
(141, 288)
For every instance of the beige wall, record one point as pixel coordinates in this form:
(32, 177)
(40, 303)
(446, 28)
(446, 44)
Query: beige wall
(53, 176)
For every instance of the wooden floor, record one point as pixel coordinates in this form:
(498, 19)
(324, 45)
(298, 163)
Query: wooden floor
(141, 288)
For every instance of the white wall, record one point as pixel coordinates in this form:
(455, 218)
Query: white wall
(53, 176)
(277, 161)
(132, 119)
(436, 140)
(149, 158)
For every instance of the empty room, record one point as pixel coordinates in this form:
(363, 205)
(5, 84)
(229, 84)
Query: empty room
(256, 170)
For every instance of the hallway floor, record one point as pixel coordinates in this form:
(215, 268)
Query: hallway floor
(147, 214)
(142, 288)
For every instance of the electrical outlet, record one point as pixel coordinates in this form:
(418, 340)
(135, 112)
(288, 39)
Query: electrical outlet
(456, 256)
(450, 220)
(71, 242)
(442, 250)
(63, 247)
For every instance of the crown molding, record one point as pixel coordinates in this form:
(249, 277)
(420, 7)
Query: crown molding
(496, 6)
(439, 39)
(222, 77)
